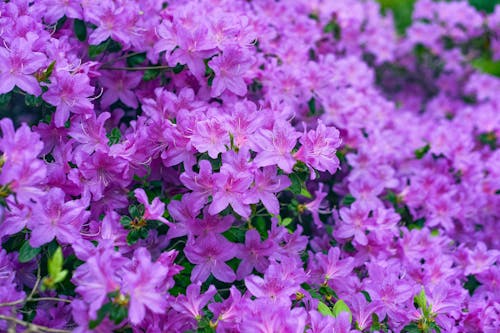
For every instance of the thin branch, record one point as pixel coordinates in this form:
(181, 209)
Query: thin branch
(145, 68)
(32, 327)
(37, 282)
(54, 299)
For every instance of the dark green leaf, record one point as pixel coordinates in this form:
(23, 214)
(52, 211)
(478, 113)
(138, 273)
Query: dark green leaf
(114, 136)
(348, 200)
(411, 328)
(26, 253)
(151, 74)
(101, 314)
(136, 59)
(471, 284)
(420, 152)
(80, 30)
(125, 221)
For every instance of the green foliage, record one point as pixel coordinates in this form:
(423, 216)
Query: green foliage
(80, 30)
(401, 10)
(26, 253)
(421, 152)
(114, 136)
(339, 307)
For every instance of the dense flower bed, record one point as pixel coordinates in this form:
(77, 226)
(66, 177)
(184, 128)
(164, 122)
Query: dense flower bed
(248, 166)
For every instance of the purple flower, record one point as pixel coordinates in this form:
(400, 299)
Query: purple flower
(319, 147)
(254, 254)
(266, 184)
(193, 302)
(209, 253)
(276, 146)
(55, 217)
(19, 62)
(229, 69)
(210, 136)
(144, 286)
(230, 190)
(69, 93)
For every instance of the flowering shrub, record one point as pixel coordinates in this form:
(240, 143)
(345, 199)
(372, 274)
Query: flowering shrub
(249, 166)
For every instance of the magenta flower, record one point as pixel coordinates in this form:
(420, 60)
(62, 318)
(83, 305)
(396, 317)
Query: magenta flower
(266, 184)
(19, 62)
(229, 68)
(57, 218)
(230, 190)
(69, 93)
(201, 183)
(119, 85)
(143, 285)
(318, 150)
(153, 211)
(193, 302)
(209, 253)
(276, 146)
(210, 136)
(354, 222)
(194, 46)
(254, 254)
(331, 267)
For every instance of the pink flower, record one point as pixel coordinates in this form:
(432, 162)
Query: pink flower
(69, 92)
(210, 253)
(230, 189)
(153, 211)
(276, 146)
(266, 184)
(120, 85)
(210, 136)
(318, 149)
(144, 286)
(229, 69)
(57, 218)
(18, 63)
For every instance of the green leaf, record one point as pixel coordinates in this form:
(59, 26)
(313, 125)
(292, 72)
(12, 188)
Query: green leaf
(125, 221)
(421, 300)
(33, 101)
(471, 284)
(118, 313)
(305, 193)
(296, 185)
(133, 236)
(339, 307)
(114, 136)
(136, 59)
(80, 30)
(61, 276)
(26, 252)
(487, 65)
(420, 152)
(286, 221)
(95, 50)
(324, 309)
(485, 5)
(348, 200)
(151, 74)
(55, 264)
(134, 211)
(101, 314)
(435, 326)
(411, 328)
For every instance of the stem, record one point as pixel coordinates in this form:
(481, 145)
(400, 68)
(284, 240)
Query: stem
(145, 68)
(32, 327)
(54, 299)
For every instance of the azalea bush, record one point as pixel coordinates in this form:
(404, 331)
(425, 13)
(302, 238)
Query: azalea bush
(249, 166)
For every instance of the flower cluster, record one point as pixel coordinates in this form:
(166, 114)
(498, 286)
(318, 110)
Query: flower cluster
(249, 166)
